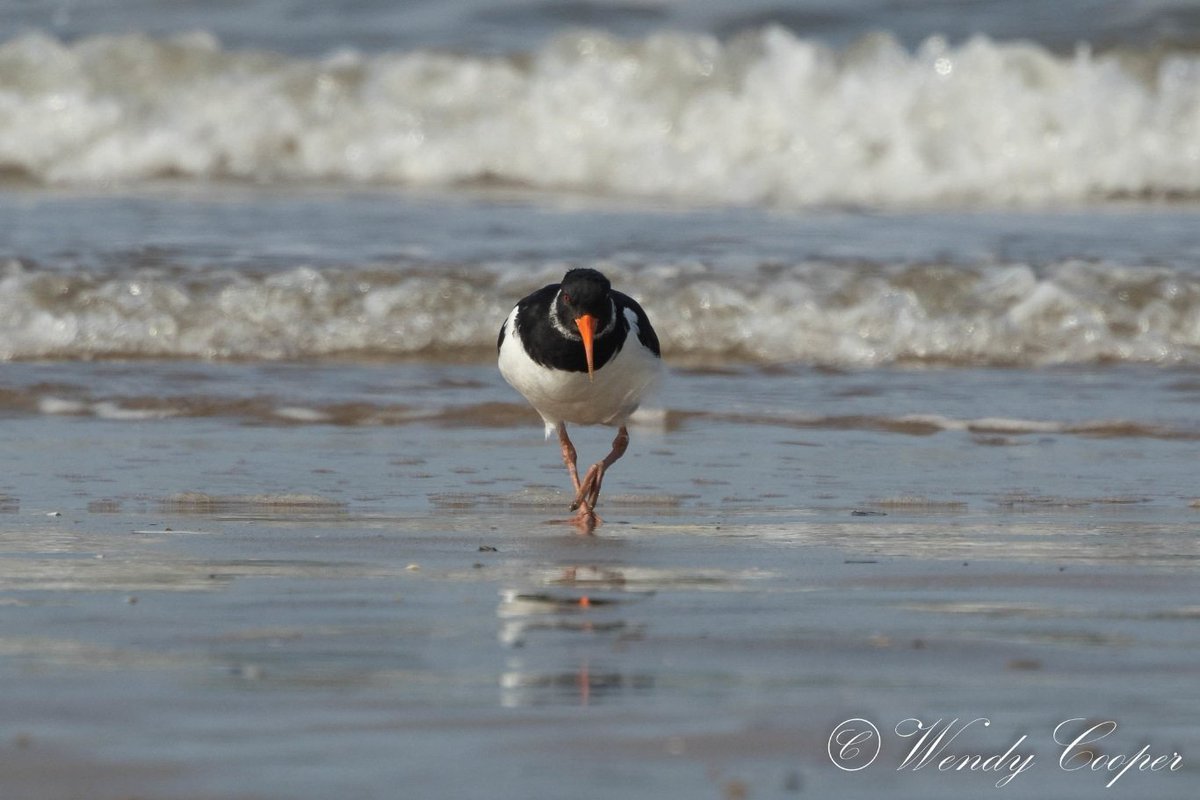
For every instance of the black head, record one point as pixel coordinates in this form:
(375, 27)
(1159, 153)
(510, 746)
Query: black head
(585, 302)
(584, 291)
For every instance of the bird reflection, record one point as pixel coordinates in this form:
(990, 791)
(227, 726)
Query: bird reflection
(585, 610)
(583, 686)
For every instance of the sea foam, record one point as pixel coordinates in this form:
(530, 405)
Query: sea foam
(764, 117)
(813, 312)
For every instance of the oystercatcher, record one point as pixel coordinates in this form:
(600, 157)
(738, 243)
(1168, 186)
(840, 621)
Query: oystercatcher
(583, 353)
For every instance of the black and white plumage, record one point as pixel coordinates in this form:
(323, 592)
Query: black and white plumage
(583, 353)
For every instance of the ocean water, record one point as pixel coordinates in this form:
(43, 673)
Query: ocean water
(927, 279)
(826, 186)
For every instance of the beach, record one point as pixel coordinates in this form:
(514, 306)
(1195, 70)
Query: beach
(913, 513)
(224, 606)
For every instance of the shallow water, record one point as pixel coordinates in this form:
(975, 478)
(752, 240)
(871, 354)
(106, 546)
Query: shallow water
(232, 607)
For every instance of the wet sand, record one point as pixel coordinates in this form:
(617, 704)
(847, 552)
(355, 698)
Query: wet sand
(209, 605)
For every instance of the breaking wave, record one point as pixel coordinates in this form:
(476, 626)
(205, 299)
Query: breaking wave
(830, 314)
(763, 117)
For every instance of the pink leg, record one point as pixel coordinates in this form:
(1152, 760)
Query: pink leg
(568, 455)
(586, 520)
(589, 491)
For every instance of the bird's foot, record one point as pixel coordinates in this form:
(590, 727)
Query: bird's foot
(589, 488)
(586, 520)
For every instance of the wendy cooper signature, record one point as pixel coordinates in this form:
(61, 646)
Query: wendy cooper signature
(855, 744)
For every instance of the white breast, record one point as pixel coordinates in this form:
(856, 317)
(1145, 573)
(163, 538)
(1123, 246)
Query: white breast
(560, 396)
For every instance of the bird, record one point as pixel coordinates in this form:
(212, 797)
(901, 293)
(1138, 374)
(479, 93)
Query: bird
(582, 353)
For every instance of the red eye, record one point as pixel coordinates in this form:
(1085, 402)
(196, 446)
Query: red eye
(567, 298)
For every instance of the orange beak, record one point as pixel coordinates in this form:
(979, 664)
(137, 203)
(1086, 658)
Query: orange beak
(587, 329)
